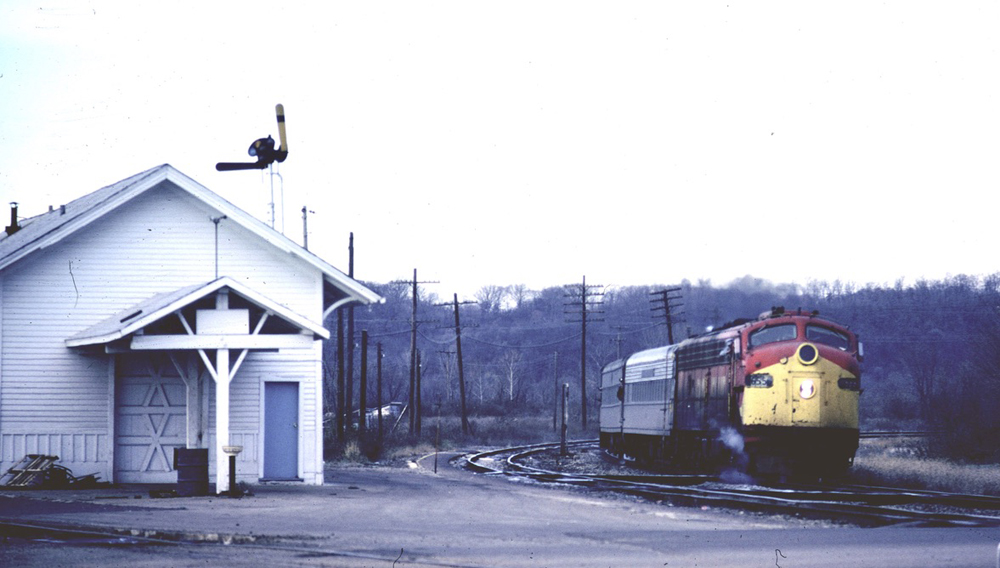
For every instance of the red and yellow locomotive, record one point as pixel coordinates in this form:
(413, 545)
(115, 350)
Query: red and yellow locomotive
(779, 393)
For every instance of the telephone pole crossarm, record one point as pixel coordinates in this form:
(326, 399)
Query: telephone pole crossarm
(414, 400)
(667, 301)
(585, 307)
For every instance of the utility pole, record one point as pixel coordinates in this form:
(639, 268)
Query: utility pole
(413, 352)
(363, 408)
(666, 300)
(586, 307)
(378, 394)
(565, 418)
(437, 438)
(619, 340)
(414, 402)
(341, 413)
(420, 405)
(461, 369)
(350, 332)
(555, 396)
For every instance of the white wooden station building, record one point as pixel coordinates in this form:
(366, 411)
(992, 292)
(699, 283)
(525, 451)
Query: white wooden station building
(152, 314)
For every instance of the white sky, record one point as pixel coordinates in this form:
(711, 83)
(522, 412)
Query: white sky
(537, 142)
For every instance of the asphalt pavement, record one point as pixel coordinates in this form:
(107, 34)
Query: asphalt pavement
(412, 516)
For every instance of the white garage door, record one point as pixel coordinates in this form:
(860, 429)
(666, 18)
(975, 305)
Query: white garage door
(150, 419)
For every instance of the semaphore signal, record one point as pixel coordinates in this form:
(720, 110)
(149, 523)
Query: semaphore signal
(262, 149)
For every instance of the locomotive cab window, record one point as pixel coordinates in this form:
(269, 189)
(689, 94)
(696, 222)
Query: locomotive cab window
(773, 334)
(827, 336)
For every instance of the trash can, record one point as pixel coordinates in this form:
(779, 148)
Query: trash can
(192, 471)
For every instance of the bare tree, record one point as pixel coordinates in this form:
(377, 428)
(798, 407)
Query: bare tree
(921, 358)
(511, 364)
(519, 293)
(481, 389)
(395, 378)
(491, 297)
(448, 372)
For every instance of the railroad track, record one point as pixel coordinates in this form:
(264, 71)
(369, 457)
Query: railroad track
(897, 434)
(860, 505)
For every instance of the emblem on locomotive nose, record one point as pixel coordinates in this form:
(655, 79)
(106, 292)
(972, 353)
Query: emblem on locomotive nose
(807, 389)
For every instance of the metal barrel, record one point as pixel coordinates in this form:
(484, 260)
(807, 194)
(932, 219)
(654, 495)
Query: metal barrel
(192, 471)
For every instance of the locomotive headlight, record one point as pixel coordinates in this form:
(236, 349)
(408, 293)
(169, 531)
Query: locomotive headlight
(807, 354)
(807, 389)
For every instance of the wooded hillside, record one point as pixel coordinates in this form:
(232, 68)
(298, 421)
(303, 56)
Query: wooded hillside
(932, 349)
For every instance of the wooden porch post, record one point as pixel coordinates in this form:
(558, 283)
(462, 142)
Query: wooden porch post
(222, 420)
(223, 378)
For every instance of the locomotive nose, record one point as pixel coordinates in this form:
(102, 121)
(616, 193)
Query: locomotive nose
(807, 383)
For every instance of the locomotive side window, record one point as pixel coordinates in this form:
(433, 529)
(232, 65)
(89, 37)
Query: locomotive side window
(773, 334)
(828, 336)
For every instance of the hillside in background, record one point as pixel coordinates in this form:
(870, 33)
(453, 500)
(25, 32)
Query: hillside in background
(932, 349)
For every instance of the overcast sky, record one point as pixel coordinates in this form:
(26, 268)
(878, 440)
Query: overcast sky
(537, 142)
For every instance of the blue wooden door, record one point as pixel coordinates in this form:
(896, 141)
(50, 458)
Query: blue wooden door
(281, 430)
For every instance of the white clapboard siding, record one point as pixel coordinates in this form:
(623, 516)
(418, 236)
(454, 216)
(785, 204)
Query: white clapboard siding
(87, 449)
(162, 240)
(246, 410)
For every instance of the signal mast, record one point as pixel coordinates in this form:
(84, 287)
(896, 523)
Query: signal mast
(263, 149)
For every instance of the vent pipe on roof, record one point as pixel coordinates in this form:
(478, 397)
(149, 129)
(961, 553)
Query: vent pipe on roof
(13, 228)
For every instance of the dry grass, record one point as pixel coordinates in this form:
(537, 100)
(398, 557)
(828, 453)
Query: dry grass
(485, 431)
(352, 452)
(901, 463)
(395, 453)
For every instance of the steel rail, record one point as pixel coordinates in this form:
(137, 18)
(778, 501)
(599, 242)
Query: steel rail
(474, 459)
(876, 495)
(869, 507)
(897, 434)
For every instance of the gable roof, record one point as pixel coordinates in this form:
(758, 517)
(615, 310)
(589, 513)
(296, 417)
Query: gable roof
(160, 306)
(52, 227)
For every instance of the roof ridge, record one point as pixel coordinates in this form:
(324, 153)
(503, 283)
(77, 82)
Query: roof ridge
(50, 227)
(32, 230)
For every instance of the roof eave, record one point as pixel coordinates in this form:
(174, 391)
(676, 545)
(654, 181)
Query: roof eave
(196, 294)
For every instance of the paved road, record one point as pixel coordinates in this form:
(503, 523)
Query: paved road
(397, 517)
